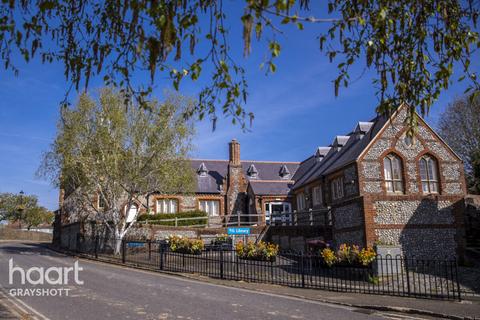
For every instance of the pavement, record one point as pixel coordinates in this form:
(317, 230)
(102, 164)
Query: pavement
(110, 291)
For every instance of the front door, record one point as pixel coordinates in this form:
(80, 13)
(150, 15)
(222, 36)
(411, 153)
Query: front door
(276, 208)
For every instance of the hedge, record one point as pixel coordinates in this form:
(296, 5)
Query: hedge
(157, 218)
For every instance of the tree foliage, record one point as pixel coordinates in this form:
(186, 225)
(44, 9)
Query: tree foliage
(19, 208)
(114, 151)
(411, 46)
(475, 176)
(459, 126)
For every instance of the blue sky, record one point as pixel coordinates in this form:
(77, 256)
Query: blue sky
(295, 111)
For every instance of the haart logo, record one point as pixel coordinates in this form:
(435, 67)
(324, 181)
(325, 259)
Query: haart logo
(39, 276)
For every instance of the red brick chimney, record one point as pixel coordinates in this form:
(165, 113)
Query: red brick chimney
(236, 182)
(234, 152)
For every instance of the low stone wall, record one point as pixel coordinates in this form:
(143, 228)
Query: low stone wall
(295, 237)
(15, 234)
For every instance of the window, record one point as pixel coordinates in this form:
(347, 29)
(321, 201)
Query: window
(429, 174)
(212, 207)
(317, 196)
(337, 188)
(131, 213)
(300, 201)
(392, 168)
(167, 206)
(101, 203)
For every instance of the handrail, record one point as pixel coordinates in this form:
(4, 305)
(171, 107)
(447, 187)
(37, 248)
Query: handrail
(294, 218)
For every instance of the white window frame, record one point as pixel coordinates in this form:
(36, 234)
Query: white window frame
(165, 205)
(337, 188)
(207, 204)
(301, 205)
(317, 196)
(388, 173)
(131, 213)
(431, 178)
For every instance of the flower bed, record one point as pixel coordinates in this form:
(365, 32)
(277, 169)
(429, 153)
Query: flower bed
(185, 245)
(260, 251)
(350, 256)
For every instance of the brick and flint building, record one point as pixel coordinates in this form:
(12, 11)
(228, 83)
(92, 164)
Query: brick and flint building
(379, 185)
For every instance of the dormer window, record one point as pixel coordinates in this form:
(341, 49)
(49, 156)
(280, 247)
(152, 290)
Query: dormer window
(339, 142)
(252, 172)
(284, 172)
(202, 171)
(321, 153)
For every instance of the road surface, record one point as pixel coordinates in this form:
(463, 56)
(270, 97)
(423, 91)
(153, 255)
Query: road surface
(121, 293)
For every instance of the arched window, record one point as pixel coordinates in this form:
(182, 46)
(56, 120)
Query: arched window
(392, 166)
(429, 174)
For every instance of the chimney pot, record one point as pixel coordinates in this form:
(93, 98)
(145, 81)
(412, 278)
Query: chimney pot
(234, 152)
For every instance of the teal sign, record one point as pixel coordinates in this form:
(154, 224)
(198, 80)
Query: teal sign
(238, 231)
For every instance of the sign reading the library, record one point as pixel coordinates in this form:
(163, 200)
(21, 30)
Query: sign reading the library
(238, 231)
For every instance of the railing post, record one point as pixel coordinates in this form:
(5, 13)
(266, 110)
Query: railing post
(124, 251)
(77, 244)
(96, 247)
(302, 268)
(149, 250)
(408, 276)
(458, 282)
(221, 264)
(311, 217)
(161, 254)
(238, 218)
(176, 221)
(295, 218)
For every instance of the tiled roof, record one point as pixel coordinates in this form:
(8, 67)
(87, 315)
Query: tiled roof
(271, 188)
(352, 147)
(217, 170)
(265, 177)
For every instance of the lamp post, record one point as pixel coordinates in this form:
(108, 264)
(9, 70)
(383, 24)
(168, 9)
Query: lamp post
(20, 210)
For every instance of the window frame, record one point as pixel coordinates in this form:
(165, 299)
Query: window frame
(337, 188)
(317, 196)
(159, 208)
(427, 158)
(393, 159)
(303, 202)
(207, 201)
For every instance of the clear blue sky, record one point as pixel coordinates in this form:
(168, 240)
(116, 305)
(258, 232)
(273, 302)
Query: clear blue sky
(295, 111)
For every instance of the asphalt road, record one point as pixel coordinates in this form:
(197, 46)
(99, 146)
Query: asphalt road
(120, 293)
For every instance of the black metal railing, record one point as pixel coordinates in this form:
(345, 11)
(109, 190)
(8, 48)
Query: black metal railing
(397, 276)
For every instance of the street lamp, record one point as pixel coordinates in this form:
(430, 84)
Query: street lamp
(20, 209)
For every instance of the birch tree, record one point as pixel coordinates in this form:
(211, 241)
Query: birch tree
(111, 150)
(459, 125)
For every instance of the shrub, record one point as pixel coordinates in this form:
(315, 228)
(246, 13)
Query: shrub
(328, 256)
(348, 255)
(221, 239)
(185, 245)
(367, 256)
(260, 251)
(157, 218)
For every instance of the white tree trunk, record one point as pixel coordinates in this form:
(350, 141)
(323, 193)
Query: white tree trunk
(119, 234)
